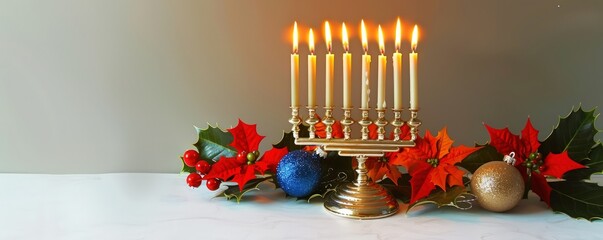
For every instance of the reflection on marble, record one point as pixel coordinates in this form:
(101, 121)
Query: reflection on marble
(161, 206)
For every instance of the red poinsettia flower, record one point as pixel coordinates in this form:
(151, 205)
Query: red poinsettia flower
(531, 164)
(378, 167)
(431, 163)
(240, 169)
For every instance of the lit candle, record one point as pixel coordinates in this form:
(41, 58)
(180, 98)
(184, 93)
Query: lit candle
(347, 69)
(294, 70)
(311, 71)
(366, 68)
(397, 59)
(381, 72)
(329, 68)
(414, 61)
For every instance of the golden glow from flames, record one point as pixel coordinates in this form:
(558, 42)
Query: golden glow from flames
(311, 41)
(381, 41)
(415, 38)
(328, 36)
(344, 38)
(295, 37)
(398, 35)
(364, 40)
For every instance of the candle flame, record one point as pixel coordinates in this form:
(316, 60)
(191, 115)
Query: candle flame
(295, 36)
(415, 38)
(344, 38)
(364, 41)
(328, 36)
(381, 41)
(311, 41)
(398, 34)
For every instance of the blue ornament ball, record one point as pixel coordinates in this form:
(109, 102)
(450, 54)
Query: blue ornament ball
(298, 173)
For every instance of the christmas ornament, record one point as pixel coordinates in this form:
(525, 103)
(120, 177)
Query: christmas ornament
(498, 185)
(193, 180)
(298, 173)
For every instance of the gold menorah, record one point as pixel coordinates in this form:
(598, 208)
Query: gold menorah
(362, 198)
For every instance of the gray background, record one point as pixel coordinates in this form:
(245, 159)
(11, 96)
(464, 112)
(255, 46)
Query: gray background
(116, 86)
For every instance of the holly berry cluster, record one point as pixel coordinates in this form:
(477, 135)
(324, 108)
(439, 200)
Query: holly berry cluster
(534, 162)
(191, 158)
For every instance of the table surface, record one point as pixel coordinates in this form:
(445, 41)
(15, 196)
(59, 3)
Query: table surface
(161, 206)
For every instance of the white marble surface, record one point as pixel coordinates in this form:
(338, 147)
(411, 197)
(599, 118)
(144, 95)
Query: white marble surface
(161, 206)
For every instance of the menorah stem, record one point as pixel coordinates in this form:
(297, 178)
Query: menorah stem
(362, 178)
(365, 122)
(347, 121)
(397, 123)
(329, 121)
(311, 121)
(295, 120)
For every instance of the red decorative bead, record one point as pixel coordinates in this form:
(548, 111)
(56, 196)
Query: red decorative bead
(242, 156)
(202, 167)
(213, 184)
(190, 158)
(193, 180)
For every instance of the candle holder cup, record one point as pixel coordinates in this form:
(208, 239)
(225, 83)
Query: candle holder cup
(362, 198)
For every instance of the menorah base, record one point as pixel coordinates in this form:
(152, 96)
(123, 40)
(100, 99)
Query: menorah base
(366, 200)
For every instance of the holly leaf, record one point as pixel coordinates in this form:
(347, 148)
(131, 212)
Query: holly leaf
(245, 137)
(558, 164)
(577, 199)
(270, 160)
(486, 153)
(214, 143)
(457, 197)
(400, 189)
(186, 168)
(573, 134)
(289, 142)
(594, 165)
(237, 193)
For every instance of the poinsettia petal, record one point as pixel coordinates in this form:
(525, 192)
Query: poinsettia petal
(455, 175)
(270, 159)
(247, 173)
(439, 176)
(430, 145)
(504, 141)
(541, 187)
(529, 138)
(246, 137)
(558, 164)
(225, 168)
(393, 173)
(444, 143)
(419, 185)
(457, 154)
(410, 158)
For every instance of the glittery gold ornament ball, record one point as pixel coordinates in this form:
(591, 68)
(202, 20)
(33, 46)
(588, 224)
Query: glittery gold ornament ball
(497, 186)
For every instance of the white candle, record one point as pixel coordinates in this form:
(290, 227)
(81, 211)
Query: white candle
(381, 73)
(366, 69)
(295, 70)
(329, 68)
(414, 61)
(397, 60)
(347, 70)
(311, 72)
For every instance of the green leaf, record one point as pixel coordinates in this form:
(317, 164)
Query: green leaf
(456, 196)
(288, 140)
(577, 199)
(594, 165)
(573, 133)
(233, 191)
(214, 143)
(478, 158)
(185, 168)
(400, 191)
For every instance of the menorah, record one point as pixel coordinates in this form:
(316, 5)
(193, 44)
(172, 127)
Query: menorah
(361, 198)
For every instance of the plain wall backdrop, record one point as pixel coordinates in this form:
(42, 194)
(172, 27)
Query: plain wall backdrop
(89, 86)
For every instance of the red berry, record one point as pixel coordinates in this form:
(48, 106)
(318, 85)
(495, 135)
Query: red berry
(190, 158)
(193, 180)
(202, 167)
(242, 156)
(213, 184)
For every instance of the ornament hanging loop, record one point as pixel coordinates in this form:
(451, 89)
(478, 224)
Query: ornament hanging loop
(510, 159)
